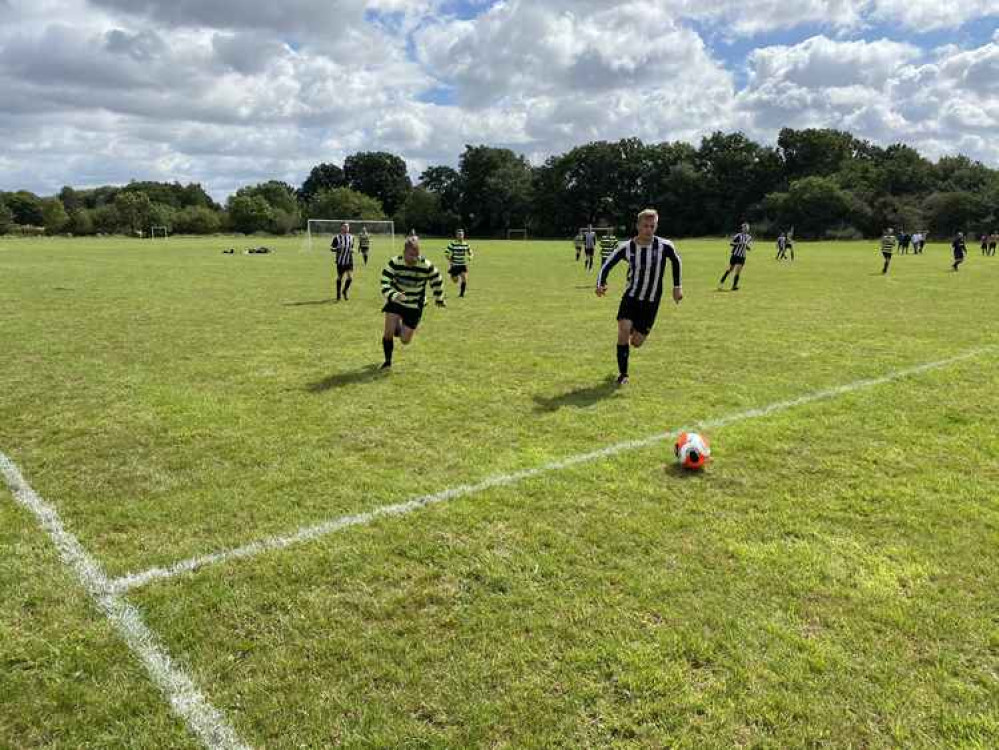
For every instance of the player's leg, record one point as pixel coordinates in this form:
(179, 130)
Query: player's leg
(392, 324)
(887, 257)
(725, 275)
(624, 330)
(339, 282)
(735, 281)
(406, 336)
(464, 283)
(348, 277)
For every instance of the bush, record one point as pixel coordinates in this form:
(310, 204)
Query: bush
(845, 232)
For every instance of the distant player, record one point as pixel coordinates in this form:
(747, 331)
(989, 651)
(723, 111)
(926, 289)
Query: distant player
(578, 243)
(985, 243)
(646, 256)
(741, 244)
(404, 286)
(903, 243)
(364, 244)
(887, 247)
(993, 240)
(781, 246)
(917, 242)
(608, 244)
(343, 247)
(589, 247)
(459, 254)
(960, 250)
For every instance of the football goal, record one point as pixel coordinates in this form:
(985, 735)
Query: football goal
(160, 232)
(516, 234)
(319, 233)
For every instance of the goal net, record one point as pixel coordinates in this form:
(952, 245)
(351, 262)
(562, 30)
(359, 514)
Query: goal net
(516, 234)
(319, 234)
(160, 232)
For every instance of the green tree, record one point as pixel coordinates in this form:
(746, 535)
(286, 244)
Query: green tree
(814, 152)
(379, 174)
(71, 200)
(813, 205)
(497, 189)
(904, 171)
(344, 203)
(277, 194)
(106, 219)
(957, 211)
(423, 210)
(54, 216)
(445, 182)
(81, 222)
(249, 214)
(26, 208)
(133, 210)
(197, 220)
(6, 218)
(322, 177)
(737, 173)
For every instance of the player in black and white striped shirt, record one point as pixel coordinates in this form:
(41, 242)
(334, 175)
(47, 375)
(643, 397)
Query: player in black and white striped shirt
(589, 247)
(343, 247)
(647, 256)
(741, 244)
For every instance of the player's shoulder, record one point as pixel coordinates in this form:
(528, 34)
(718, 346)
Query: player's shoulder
(666, 242)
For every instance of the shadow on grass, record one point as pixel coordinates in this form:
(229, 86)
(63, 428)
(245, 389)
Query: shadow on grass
(326, 301)
(676, 471)
(579, 397)
(351, 377)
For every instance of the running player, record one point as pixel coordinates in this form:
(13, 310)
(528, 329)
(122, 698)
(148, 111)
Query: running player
(364, 243)
(741, 244)
(993, 239)
(578, 244)
(404, 286)
(646, 256)
(781, 246)
(960, 250)
(458, 254)
(589, 247)
(887, 247)
(985, 243)
(343, 247)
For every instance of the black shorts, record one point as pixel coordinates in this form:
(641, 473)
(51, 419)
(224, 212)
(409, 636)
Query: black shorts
(457, 270)
(410, 317)
(341, 270)
(737, 260)
(887, 255)
(958, 256)
(641, 314)
(589, 251)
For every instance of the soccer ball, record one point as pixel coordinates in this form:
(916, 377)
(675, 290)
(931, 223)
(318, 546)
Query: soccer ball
(692, 451)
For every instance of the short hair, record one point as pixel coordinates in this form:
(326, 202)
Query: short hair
(412, 240)
(648, 212)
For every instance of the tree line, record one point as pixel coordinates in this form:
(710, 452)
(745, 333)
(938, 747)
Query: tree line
(822, 182)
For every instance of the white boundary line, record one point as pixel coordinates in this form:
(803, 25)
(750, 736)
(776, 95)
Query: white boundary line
(202, 719)
(309, 533)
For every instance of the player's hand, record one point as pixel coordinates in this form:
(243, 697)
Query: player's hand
(399, 297)
(601, 290)
(677, 294)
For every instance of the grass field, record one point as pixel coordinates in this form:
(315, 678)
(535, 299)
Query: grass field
(831, 580)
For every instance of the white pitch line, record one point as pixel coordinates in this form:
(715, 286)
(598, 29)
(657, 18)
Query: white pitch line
(309, 533)
(202, 719)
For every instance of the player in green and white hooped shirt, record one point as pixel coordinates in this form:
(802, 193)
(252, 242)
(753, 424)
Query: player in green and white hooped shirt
(608, 244)
(888, 247)
(458, 254)
(364, 243)
(404, 286)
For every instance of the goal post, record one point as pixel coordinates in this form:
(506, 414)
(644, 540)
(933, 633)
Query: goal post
(319, 233)
(516, 234)
(159, 231)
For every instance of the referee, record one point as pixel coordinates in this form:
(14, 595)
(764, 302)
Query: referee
(646, 256)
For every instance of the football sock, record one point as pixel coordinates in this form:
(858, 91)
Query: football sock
(735, 284)
(388, 345)
(622, 358)
(346, 286)
(724, 276)
(463, 285)
(338, 285)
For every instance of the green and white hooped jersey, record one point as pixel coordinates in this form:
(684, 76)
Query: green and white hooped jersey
(459, 253)
(608, 244)
(888, 244)
(400, 278)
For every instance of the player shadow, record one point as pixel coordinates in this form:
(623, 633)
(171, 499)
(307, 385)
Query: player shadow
(676, 471)
(350, 377)
(579, 398)
(326, 301)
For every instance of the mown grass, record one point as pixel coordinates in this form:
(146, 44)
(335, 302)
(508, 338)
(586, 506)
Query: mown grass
(830, 580)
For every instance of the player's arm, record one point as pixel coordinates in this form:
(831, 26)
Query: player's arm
(389, 292)
(616, 257)
(676, 268)
(437, 286)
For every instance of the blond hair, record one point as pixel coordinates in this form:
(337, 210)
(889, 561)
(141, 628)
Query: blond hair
(648, 212)
(413, 240)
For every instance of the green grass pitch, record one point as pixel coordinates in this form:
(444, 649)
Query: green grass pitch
(830, 580)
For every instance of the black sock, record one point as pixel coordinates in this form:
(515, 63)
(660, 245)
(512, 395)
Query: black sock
(346, 286)
(724, 276)
(463, 284)
(735, 284)
(622, 358)
(885, 269)
(338, 283)
(388, 345)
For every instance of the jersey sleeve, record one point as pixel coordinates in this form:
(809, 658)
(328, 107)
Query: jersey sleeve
(436, 283)
(613, 259)
(676, 265)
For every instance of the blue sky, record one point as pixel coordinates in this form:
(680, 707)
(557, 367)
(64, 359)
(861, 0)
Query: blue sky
(228, 94)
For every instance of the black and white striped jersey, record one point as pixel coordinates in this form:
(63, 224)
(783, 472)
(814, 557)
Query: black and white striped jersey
(343, 246)
(646, 264)
(741, 244)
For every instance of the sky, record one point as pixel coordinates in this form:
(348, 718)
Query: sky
(233, 92)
